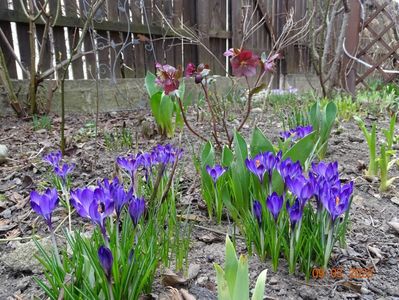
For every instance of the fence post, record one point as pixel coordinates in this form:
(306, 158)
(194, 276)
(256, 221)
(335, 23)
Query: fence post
(351, 44)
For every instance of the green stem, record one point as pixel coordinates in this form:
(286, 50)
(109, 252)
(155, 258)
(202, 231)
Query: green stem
(329, 246)
(217, 205)
(292, 253)
(55, 247)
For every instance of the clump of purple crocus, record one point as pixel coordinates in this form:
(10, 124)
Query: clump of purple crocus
(44, 204)
(297, 133)
(215, 172)
(61, 170)
(263, 163)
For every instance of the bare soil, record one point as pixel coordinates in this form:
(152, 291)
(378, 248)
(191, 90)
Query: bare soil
(371, 242)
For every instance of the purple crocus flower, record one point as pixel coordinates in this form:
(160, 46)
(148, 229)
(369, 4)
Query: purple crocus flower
(106, 260)
(120, 197)
(301, 187)
(136, 209)
(102, 207)
(166, 154)
(64, 170)
(287, 168)
(336, 200)
(296, 133)
(257, 210)
(295, 212)
(53, 158)
(215, 172)
(44, 204)
(328, 171)
(274, 203)
(129, 164)
(257, 166)
(81, 199)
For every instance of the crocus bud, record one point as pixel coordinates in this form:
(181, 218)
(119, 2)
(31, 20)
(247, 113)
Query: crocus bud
(106, 260)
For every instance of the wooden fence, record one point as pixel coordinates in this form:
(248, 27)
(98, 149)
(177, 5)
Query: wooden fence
(217, 23)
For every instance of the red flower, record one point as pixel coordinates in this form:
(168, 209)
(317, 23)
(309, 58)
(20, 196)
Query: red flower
(243, 62)
(190, 70)
(199, 72)
(168, 77)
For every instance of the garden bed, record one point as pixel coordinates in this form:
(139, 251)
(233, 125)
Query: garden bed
(371, 242)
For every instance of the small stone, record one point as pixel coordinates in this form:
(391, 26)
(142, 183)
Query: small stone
(364, 290)
(3, 154)
(274, 280)
(355, 139)
(257, 110)
(202, 280)
(307, 293)
(23, 259)
(6, 214)
(395, 200)
(392, 261)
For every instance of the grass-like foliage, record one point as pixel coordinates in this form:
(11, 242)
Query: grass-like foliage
(279, 198)
(41, 122)
(136, 229)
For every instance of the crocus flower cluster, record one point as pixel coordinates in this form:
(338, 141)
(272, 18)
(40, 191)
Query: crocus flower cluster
(168, 78)
(61, 170)
(160, 155)
(322, 183)
(98, 203)
(281, 92)
(297, 133)
(262, 164)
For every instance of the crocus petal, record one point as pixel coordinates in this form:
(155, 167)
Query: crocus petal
(106, 260)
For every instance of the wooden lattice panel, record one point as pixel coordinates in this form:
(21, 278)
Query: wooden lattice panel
(387, 51)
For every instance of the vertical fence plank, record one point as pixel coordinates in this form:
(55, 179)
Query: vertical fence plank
(189, 17)
(60, 50)
(128, 55)
(71, 10)
(115, 38)
(90, 59)
(203, 21)
(138, 49)
(6, 28)
(217, 45)
(177, 14)
(23, 39)
(236, 23)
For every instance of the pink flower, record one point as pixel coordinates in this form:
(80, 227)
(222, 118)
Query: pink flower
(168, 77)
(243, 62)
(190, 70)
(268, 64)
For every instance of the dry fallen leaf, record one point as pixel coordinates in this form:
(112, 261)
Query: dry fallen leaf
(186, 295)
(192, 217)
(193, 271)
(352, 286)
(377, 252)
(171, 294)
(210, 238)
(169, 278)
